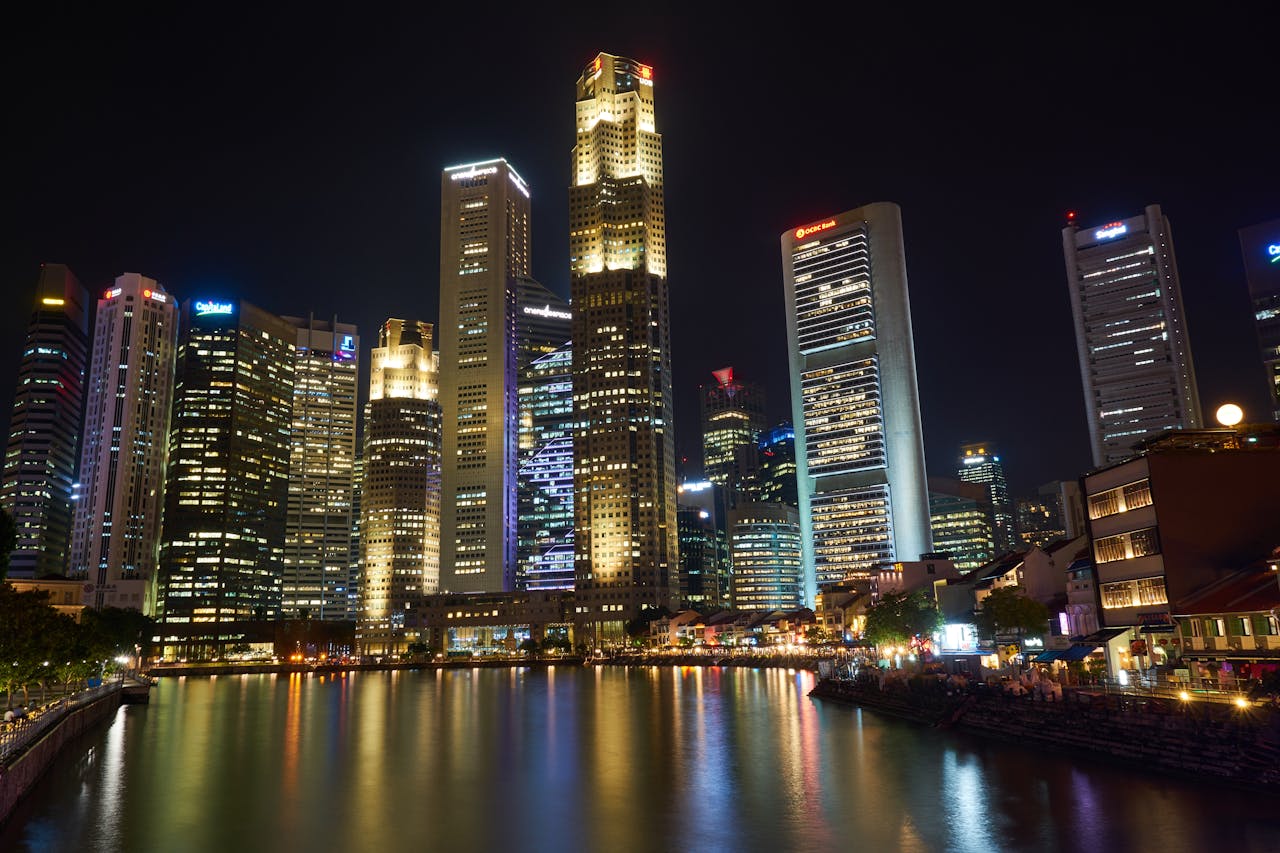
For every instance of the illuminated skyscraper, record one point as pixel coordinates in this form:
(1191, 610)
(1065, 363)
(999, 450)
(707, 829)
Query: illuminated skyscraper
(767, 556)
(318, 573)
(962, 521)
(624, 446)
(980, 464)
(546, 472)
(702, 515)
(484, 249)
(775, 476)
(128, 403)
(222, 562)
(1131, 331)
(1261, 247)
(732, 420)
(854, 402)
(44, 432)
(400, 486)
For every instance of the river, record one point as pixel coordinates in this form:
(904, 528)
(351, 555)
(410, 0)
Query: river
(597, 759)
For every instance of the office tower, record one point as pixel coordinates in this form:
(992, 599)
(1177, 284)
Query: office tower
(484, 248)
(222, 562)
(705, 570)
(775, 476)
(962, 521)
(400, 488)
(115, 544)
(44, 431)
(855, 406)
(357, 568)
(732, 420)
(767, 555)
(545, 495)
(317, 540)
(980, 464)
(1131, 331)
(624, 446)
(1261, 247)
(1040, 517)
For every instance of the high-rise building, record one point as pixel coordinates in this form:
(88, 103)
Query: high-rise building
(767, 555)
(963, 522)
(855, 405)
(1131, 331)
(400, 485)
(226, 505)
(980, 464)
(128, 406)
(1041, 518)
(44, 432)
(484, 249)
(775, 476)
(705, 571)
(545, 499)
(318, 577)
(732, 420)
(624, 445)
(1261, 247)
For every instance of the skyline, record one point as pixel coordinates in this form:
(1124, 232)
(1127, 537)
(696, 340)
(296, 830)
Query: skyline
(217, 178)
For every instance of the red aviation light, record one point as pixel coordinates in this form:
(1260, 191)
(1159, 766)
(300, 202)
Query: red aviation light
(806, 230)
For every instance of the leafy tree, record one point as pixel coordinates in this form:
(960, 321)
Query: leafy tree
(529, 646)
(114, 631)
(8, 541)
(1008, 610)
(638, 628)
(901, 617)
(30, 630)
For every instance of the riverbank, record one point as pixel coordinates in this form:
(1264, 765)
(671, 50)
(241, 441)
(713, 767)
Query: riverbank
(1201, 741)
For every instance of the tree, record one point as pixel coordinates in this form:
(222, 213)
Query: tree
(902, 618)
(1008, 610)
(638, 628)
(529, 646)
(30, 630)
(8, 541)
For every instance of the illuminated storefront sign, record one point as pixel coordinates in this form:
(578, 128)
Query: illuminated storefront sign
(1111, 229)
(206, 308)
(546, 311)
(801, 233)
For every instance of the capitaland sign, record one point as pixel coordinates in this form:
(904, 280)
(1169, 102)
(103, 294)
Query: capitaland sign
(547, 311)
(473, 172)
(805, 231)
(1273, 253)
(1110, 230)
(204, 309)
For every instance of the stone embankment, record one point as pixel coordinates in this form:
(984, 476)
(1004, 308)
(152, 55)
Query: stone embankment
(1199, 739)
(748, 660)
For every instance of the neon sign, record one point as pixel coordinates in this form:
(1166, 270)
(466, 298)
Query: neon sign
(473, 173)
(801, 233)
(204, 309)
(348, 343)
(546, 311)
(113, 293)
(155, 294)
(1274, 251)
(1111, 229)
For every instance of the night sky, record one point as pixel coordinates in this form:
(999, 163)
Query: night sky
(293, 159)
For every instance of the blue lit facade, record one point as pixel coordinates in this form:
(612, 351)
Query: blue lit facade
(545, 497)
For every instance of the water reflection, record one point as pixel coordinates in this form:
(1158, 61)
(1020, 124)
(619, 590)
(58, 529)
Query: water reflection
(586, 759)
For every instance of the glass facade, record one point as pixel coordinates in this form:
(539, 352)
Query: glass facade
(765, 548)
(546, 473)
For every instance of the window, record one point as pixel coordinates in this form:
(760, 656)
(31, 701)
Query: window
(1125, 546)
(1120, 499)
(1215, 627)
(1144, 592)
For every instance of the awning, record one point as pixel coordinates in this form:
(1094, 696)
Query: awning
(1049, 656)
(1077, 652)
(1101, 637)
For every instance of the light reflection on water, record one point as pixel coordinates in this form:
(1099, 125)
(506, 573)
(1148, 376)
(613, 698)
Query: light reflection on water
(586, 759)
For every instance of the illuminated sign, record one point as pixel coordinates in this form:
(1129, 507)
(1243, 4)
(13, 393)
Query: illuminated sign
(697, 486)
(1274, 252)
(546, 311)
(801, 233)
(48, 301)
(156, 295)
(1111, 229)
(204, 309)
(473, 172)
(113, 293)
(347, 343)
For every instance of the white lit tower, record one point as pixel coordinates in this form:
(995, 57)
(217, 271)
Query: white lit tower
(980, 464)
(128, 407)
(1131, 332)
(624, 445)
(860, 470)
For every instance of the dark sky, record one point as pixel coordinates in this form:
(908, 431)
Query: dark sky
(293, 158)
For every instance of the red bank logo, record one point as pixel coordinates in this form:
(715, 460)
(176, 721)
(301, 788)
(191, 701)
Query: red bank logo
(801, 233)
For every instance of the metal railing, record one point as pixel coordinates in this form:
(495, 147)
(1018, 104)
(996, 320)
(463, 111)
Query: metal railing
(17, 736)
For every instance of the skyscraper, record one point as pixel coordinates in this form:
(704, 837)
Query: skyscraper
(856, 409)
(732, 420)
(624, 445)
(767, 556)
(980, 464)
(400, 485)
(702, 515)
(1131, 331)
(128, 406)
(545, 497)
(484, 249)
(962, 521)
(1261, 247)
(44, 433)
(226, 504)
(775, 476)
(318, 574)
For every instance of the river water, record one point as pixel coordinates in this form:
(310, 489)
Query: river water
(596, 759)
